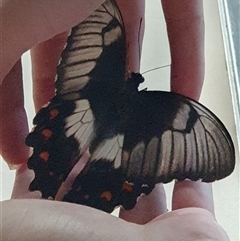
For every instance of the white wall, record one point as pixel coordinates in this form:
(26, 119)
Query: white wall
(215, 95)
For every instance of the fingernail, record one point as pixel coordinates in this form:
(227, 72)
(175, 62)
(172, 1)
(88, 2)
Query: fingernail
(14, 166)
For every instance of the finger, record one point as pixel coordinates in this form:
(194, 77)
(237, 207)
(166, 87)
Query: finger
(22, 180)
(13, 119)
(27, 23)
(51, 220)
(133, 13)
(186, 38)
(147, 208)
(193, 194)
(48, 220)
(45, 58)
(185, 28)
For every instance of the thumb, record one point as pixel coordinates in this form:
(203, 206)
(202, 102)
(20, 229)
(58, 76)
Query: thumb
(50, 221)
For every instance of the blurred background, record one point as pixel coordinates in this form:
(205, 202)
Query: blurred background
(216, 95)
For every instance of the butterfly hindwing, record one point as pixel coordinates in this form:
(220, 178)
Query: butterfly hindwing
(63, 131)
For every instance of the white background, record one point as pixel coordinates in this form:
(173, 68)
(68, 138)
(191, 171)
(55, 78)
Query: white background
(215, 95)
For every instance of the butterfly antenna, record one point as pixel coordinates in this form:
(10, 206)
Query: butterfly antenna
(139, 44)
(150, 70)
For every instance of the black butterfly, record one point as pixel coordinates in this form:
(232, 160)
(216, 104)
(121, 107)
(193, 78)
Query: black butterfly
(136, 139)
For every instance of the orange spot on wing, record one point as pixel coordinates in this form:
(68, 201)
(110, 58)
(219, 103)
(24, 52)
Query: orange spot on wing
(127, 187)
(106, 195)
(44, 156)
(53, 113)
(47, 134)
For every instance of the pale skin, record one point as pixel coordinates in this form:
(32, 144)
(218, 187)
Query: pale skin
(49, 21)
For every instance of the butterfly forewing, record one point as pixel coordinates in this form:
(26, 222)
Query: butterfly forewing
(186, 142)
(94, 56)
(88, 78)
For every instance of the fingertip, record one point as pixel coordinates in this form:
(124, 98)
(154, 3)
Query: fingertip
(29, 195)
(147, 208)
(13, 167)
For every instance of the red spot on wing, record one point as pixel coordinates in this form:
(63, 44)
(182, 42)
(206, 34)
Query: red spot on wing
(47, 134)
(127, 187)
(53, 113)
(106, 195)
(44, 156)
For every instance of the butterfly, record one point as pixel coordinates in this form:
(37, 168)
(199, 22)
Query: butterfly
(136, 139)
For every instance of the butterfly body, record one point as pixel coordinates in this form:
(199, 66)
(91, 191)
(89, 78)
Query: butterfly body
(136, 139)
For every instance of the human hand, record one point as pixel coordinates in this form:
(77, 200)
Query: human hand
(30, 210)
(26, 27)
(27, 220)
(27, 23)
(52, 220)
